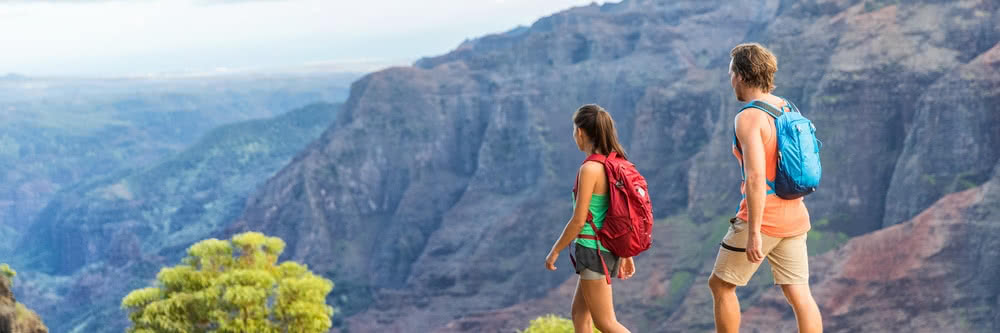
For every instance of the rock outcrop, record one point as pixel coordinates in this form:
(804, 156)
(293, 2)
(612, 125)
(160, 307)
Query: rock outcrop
(14, 317)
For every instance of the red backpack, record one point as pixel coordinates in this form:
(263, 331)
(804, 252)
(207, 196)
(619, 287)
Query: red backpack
(628, 224)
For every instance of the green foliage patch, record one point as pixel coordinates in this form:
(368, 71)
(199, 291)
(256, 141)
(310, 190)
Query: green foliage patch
(234, 285)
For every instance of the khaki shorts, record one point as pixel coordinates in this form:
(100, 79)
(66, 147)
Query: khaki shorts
(788, 257)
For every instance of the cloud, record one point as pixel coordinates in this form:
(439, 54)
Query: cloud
(122, 37)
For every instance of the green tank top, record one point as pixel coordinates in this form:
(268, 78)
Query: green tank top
(598, 208)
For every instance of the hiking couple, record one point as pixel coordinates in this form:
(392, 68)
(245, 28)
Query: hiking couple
(772, 220)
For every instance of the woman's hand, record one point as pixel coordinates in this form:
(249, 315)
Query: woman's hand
(626, 269)
(550, 260)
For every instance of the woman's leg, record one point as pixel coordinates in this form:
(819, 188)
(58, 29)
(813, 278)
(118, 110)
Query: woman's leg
(580, 312)
(597, 294)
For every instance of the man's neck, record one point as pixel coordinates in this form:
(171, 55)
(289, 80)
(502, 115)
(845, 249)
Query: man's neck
(757, 95)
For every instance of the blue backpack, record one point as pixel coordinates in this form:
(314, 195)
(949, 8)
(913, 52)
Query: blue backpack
(799, 169)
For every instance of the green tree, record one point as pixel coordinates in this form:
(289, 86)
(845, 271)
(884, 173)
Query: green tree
(7, 272)
(551, 324)
(233, 286)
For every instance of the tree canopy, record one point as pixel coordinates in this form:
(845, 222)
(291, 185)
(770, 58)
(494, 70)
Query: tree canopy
(551, 324)
(8, 272)
(233, 285)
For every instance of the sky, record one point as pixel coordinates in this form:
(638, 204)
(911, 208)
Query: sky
(110, 38)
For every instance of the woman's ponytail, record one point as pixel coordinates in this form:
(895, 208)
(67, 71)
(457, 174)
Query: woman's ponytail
(598, 125)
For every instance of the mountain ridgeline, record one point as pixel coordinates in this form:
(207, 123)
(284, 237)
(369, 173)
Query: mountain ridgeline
(441, 186)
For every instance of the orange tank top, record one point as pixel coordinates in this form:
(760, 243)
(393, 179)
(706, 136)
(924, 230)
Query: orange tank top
(782, 218)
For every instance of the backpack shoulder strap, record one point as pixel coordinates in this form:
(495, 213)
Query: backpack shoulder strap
(755, 104)
(596, 158)
(763, 106)
(771, 111)
(593, 157)
(590, 217)
(791, 106)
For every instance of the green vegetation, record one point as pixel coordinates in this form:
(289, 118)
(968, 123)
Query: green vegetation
(873, 5)
(821, 241)
(929, 179)
(551, 324)
(968, 179)
(7, 272)
(26, 320)
(945, 183)
(680, 282)
(233, 286)
(830, 99)
(206, 185)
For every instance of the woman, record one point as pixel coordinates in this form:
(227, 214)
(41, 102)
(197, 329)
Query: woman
(594, 133)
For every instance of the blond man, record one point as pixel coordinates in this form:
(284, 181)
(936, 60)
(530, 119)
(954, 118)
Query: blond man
(765, 226)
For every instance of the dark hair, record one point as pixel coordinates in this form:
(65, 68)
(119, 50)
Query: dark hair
(755, 64)
(598, 125)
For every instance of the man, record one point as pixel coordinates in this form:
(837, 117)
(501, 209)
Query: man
(766, 225)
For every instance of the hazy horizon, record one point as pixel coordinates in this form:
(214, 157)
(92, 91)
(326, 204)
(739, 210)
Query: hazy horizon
(107, 38)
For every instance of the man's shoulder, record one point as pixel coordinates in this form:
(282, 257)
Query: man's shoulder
(752, 117)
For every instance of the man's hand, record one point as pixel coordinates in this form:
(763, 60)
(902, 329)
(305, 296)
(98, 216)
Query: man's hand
(550, 260)
(754, 252)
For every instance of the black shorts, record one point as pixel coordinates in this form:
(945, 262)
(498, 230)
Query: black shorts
(586, 258)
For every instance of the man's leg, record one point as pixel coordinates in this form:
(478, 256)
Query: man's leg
(790, 265)
(732, 269)
(806, 312)
(727, 305)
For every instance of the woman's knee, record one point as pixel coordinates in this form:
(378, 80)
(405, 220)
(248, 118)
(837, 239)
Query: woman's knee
(606, 324)
(580, 314)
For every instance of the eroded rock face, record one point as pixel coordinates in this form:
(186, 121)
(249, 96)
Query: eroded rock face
(930, 165)
(441, 186)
